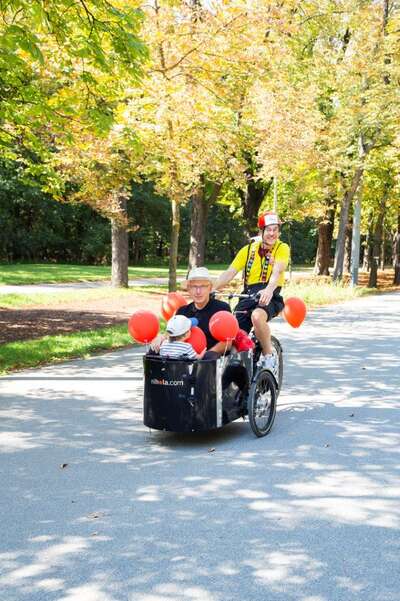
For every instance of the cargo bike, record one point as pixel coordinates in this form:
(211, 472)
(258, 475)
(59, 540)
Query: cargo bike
(190, 396)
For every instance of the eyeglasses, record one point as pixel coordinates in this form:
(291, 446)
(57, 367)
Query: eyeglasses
(198, 286)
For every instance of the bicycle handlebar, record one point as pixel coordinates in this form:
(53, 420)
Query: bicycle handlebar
(234, 295)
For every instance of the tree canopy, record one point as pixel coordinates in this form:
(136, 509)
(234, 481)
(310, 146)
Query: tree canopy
(196, 96)
(57, 60)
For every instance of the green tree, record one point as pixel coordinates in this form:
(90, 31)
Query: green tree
(35, 227)
(57, 61)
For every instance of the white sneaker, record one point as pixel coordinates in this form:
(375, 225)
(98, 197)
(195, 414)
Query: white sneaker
(268, 362)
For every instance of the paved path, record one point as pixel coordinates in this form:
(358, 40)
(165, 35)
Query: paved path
(309, 513)
(68, 286)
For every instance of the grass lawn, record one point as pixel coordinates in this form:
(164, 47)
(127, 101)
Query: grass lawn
(45, 273)
(316, 291)
(52, 349)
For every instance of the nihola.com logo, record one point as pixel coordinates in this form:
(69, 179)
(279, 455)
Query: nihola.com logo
(166, 382)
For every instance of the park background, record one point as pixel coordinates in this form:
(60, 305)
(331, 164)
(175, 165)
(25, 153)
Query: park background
(138, 140)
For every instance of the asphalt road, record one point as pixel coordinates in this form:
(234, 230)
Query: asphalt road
(96, 508)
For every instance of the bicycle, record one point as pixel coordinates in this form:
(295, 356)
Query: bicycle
(183, 395)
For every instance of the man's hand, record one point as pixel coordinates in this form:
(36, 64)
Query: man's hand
(265, 295)
(156, 342)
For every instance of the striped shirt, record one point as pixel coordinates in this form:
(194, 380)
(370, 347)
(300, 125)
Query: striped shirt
(177, 350)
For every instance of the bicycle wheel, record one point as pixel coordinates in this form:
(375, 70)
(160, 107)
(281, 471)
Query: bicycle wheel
(262, 402)
(279, 356)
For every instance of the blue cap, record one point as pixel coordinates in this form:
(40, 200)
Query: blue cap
(195, 321)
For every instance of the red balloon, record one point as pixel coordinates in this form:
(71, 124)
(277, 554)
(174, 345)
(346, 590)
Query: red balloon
(295, 311)
(242, 341)
(143, 326)
(197, 339)
(171, 303)
(223, 326)
(166, 310)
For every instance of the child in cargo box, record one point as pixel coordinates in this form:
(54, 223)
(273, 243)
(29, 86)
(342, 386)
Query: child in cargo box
(178, 329)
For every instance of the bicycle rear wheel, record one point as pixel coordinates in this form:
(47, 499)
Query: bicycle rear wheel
(262, 402)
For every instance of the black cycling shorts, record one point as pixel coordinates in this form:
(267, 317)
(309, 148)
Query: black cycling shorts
(246, 306)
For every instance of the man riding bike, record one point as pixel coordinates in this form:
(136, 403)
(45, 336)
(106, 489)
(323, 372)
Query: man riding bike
(263, 262)
(202, 308)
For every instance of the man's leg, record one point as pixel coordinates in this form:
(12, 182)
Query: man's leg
(262, 330)
(242, 314)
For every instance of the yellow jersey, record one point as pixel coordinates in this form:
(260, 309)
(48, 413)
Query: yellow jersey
(258, 269)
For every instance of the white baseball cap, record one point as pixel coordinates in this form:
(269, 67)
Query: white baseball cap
(178, 325)
(199, 273)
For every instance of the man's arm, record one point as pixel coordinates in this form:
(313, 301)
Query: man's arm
(266, 293)
(157, 342)
(221, 347)
(225, 278)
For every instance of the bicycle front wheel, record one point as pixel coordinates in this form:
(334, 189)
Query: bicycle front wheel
(262, 403)
(279, 357)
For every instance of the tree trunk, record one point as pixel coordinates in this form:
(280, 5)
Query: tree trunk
(376, 246)
(198, 223)
(347, 246)
(355, 240)
(251, 200)
(325, 234)
(373, 274)
(119, 247)
(367, 249)
(396, 254)
(136, 248)
(173, 250)
(201, 203)
(385, 15)
(363, 244)
(344, 216)
(382, 259)
(135, 251)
